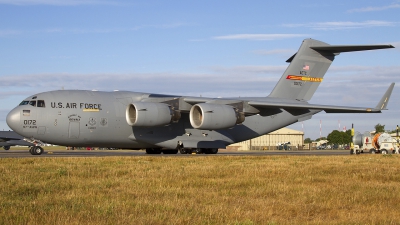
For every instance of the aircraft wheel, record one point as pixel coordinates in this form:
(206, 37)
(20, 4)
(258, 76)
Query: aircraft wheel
(157, 151)
(6, 148)
(36, 150)
(358, 152)
(198, 150)
(39, 150)
(182, 151)
(213, 150)
(153, 151)
(384, 152)
(173, 151)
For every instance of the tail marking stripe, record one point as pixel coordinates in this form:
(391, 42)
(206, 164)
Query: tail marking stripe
(302, 78)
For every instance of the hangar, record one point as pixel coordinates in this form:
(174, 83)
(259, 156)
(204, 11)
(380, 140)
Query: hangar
(272, 140)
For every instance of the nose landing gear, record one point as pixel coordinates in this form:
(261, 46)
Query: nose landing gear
(36, 150)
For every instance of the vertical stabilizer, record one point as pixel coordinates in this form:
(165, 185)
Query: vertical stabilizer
(308, 67)
(305, 72)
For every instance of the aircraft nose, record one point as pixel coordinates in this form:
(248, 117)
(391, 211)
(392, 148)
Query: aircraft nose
(13, 119)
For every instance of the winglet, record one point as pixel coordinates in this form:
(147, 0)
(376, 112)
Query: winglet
(385, 99)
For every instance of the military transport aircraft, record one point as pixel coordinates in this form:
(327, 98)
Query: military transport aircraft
(10, 138)
(169, 123)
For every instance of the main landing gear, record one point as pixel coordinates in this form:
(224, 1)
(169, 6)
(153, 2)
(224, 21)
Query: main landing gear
(198, 150)
(159, 151)
(182, 151)
(36, 150)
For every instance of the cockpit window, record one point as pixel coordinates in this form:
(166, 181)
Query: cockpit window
(40, 103)
(24, 103)
(32, 103)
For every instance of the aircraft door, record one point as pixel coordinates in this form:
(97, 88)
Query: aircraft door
(42, 118)
(73, 130)
(41, 130)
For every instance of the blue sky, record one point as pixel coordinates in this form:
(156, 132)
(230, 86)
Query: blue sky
(208, 48)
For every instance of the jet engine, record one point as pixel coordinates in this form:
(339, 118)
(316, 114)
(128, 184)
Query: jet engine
(150, 114)
(214, 116)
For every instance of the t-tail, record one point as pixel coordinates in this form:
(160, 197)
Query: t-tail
(308, 66)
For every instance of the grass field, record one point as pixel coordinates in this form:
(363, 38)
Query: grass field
(362, 189)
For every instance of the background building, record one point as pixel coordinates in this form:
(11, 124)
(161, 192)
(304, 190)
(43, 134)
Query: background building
(272, 140)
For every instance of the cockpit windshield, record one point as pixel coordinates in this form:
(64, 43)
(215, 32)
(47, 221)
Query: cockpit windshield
(32, 103)
(40, 103)
(24, 103)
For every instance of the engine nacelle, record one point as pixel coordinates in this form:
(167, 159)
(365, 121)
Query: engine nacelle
(150, 114)
(214, 116)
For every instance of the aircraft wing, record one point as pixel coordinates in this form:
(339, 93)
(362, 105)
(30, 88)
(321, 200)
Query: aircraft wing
(9, 135)
(327, 108)
(4, 139)
(16, 142)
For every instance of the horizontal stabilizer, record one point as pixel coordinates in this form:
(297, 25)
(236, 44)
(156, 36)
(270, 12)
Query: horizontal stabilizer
(349, 48)
(344, 48)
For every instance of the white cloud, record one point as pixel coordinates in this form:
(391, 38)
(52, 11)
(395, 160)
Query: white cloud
(6, 33)
(275, 52)
(250, 69)
(250, 80)
(358, 85)
(376, 8)
(259, 37)
(339, 25)
(57, 2)
(181, 84)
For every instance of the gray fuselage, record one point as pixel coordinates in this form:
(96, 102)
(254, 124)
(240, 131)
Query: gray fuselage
(98, 119)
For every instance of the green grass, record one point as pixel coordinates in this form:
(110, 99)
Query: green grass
(201, 190)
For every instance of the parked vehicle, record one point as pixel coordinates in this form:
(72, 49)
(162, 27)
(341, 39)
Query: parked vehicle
(379, 143)
(284, 146)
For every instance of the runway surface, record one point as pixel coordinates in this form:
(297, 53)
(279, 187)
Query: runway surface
(133, 153)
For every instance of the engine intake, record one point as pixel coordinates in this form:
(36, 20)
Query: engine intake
(150, 114)
(214, 116)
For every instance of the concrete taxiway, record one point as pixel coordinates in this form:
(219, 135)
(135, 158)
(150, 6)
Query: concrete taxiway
(106, 153)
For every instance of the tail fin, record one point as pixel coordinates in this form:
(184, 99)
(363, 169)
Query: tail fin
(382, 104)
(308, 67)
